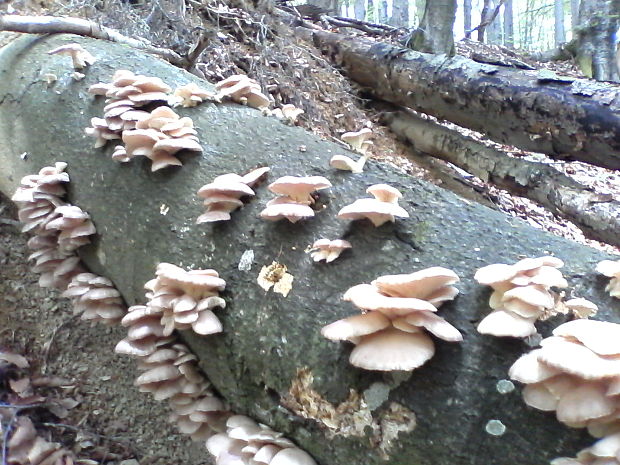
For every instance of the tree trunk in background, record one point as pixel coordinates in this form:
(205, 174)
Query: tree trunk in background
(574, 16)
(467, 18)
(383, 12)
(598, 23)
(509, 34)
(332, 7)
(400, 13)
(370, 11)
(574, 120)
(268, 339)
(420, 6)
(435, 33)
(486, 9)
(494, 30)
(558, 10)
(359, 9)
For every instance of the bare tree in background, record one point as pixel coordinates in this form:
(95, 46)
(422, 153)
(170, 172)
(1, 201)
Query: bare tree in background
(400, 13)
(574, 15)
(598, 23)
(383, 12)
(494, 29)
(435, 33)
(509, 34)
(467, 17)
(359, 9)
(558, 10)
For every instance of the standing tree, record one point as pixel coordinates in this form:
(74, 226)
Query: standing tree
(574, 15)
(509, 40)
(434, 35)
(598, 23)
(400, 13)
(560, 35)
(383, 11)
(359, 9)
(467, 17)
(494, 29)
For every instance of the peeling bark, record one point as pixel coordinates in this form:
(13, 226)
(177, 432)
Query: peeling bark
(268, 338)
(568, 119)
(598, 216)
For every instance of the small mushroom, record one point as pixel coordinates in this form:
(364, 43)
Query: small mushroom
(295, 197)
(80, 57)
(356, 139)
(383, 208)
(611, 269)
(328, 250)
(190, 95)
(95, 298)
(344, 163)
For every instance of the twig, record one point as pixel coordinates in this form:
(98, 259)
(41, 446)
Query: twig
(486, 21)
(118, 439)
(201, 44)
(48, 345)
(82, 27)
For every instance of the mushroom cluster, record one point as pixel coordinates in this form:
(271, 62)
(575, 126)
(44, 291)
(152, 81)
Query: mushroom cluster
(185, 299)
(126, 93)
(169, 372)
(159, 136)
(521, 295)
(389, 335)
(576, 373)
(603, 452)
(288, 113)
(611, 269)
(95, 299)
(327, 250)
(383, 208)
(241, 89)
(249, 443)
(295, 197)
(58, 228)
(358, 140)
(223, 195)
(26, 447)
(190, 95)
(344, 163)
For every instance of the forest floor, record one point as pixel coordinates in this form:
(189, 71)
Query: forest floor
(111, 421)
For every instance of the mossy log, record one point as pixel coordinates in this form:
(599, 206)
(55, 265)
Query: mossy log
(271, 342)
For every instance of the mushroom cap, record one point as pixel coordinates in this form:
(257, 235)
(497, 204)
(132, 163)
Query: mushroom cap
(256, 99)
(602, 337)
(291, 211)
(342, 162)
(434, 324)
(529, 369)
(533, 294)
(504, 323)
(496, 273)
(582, 308)
(576, 359)
(609, 268)
(367, 297)
(586, 402)
(419, 284)
(225, 186)
(384, 193)
(255, 176)
(355, 139)
(392, 349)
(355, 326)
(376, 211)
(299, 188)
(292, 456)
(169, 274)
(172, 146)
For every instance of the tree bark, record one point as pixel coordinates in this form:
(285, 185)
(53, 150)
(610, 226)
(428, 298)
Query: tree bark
(268, 338)
(383, 13)
(558, 14)
(574, 16)
(486, 8)
(400, 13)
(598, 216)
(435, 32)
(568, 120)
(598, 23)
(509, 34)
(494, 29)
(467, 18)
(359, 8)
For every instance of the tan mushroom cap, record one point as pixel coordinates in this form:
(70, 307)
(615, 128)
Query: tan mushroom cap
(420, 284)
(528, 369)
(506, 324)
(576, 359)
(291, 211)
(344, 163)
(299, 188)
(355, 326)
(329, 250)
(434, 324)
(292, 456)
(601, 337)
(585, 402)
(385, 193)
(392, 349)
(609, 268)
(79, 55)
(581, 308)
(355, 139)
(255, 176)
(374, 210)
(367, 297)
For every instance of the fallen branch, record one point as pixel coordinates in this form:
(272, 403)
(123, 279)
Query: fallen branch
(364, 26)
(82, 27)
(597, 215)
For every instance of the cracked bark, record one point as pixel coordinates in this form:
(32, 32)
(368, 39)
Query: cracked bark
(267, 338)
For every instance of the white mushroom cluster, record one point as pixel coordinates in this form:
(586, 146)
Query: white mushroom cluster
(249, 443)
(576, 373)
(190, 95)
(611, 269)
(327, 250)
(223, 195)
(289, 113)
(358, 140)
(95, 299)
(379, 210)
(521, 295)
(389, 334)
(159, 136)
(125, 94)
(28, 448)
(59, 229)
(295, 197)
(169, 372)
(80, 57)
(606, 451)
(185, 299)
(241, 89)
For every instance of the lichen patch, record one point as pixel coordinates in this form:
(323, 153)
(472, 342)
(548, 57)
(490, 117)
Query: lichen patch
(351, 417)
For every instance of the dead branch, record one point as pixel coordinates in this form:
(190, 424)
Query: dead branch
(82, 27)
(364, 26)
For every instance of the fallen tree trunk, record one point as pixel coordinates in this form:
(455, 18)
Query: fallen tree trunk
(565, 118)
(598, 216)
(271, 343)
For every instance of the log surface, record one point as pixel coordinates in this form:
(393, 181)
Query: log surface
(268, 337)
